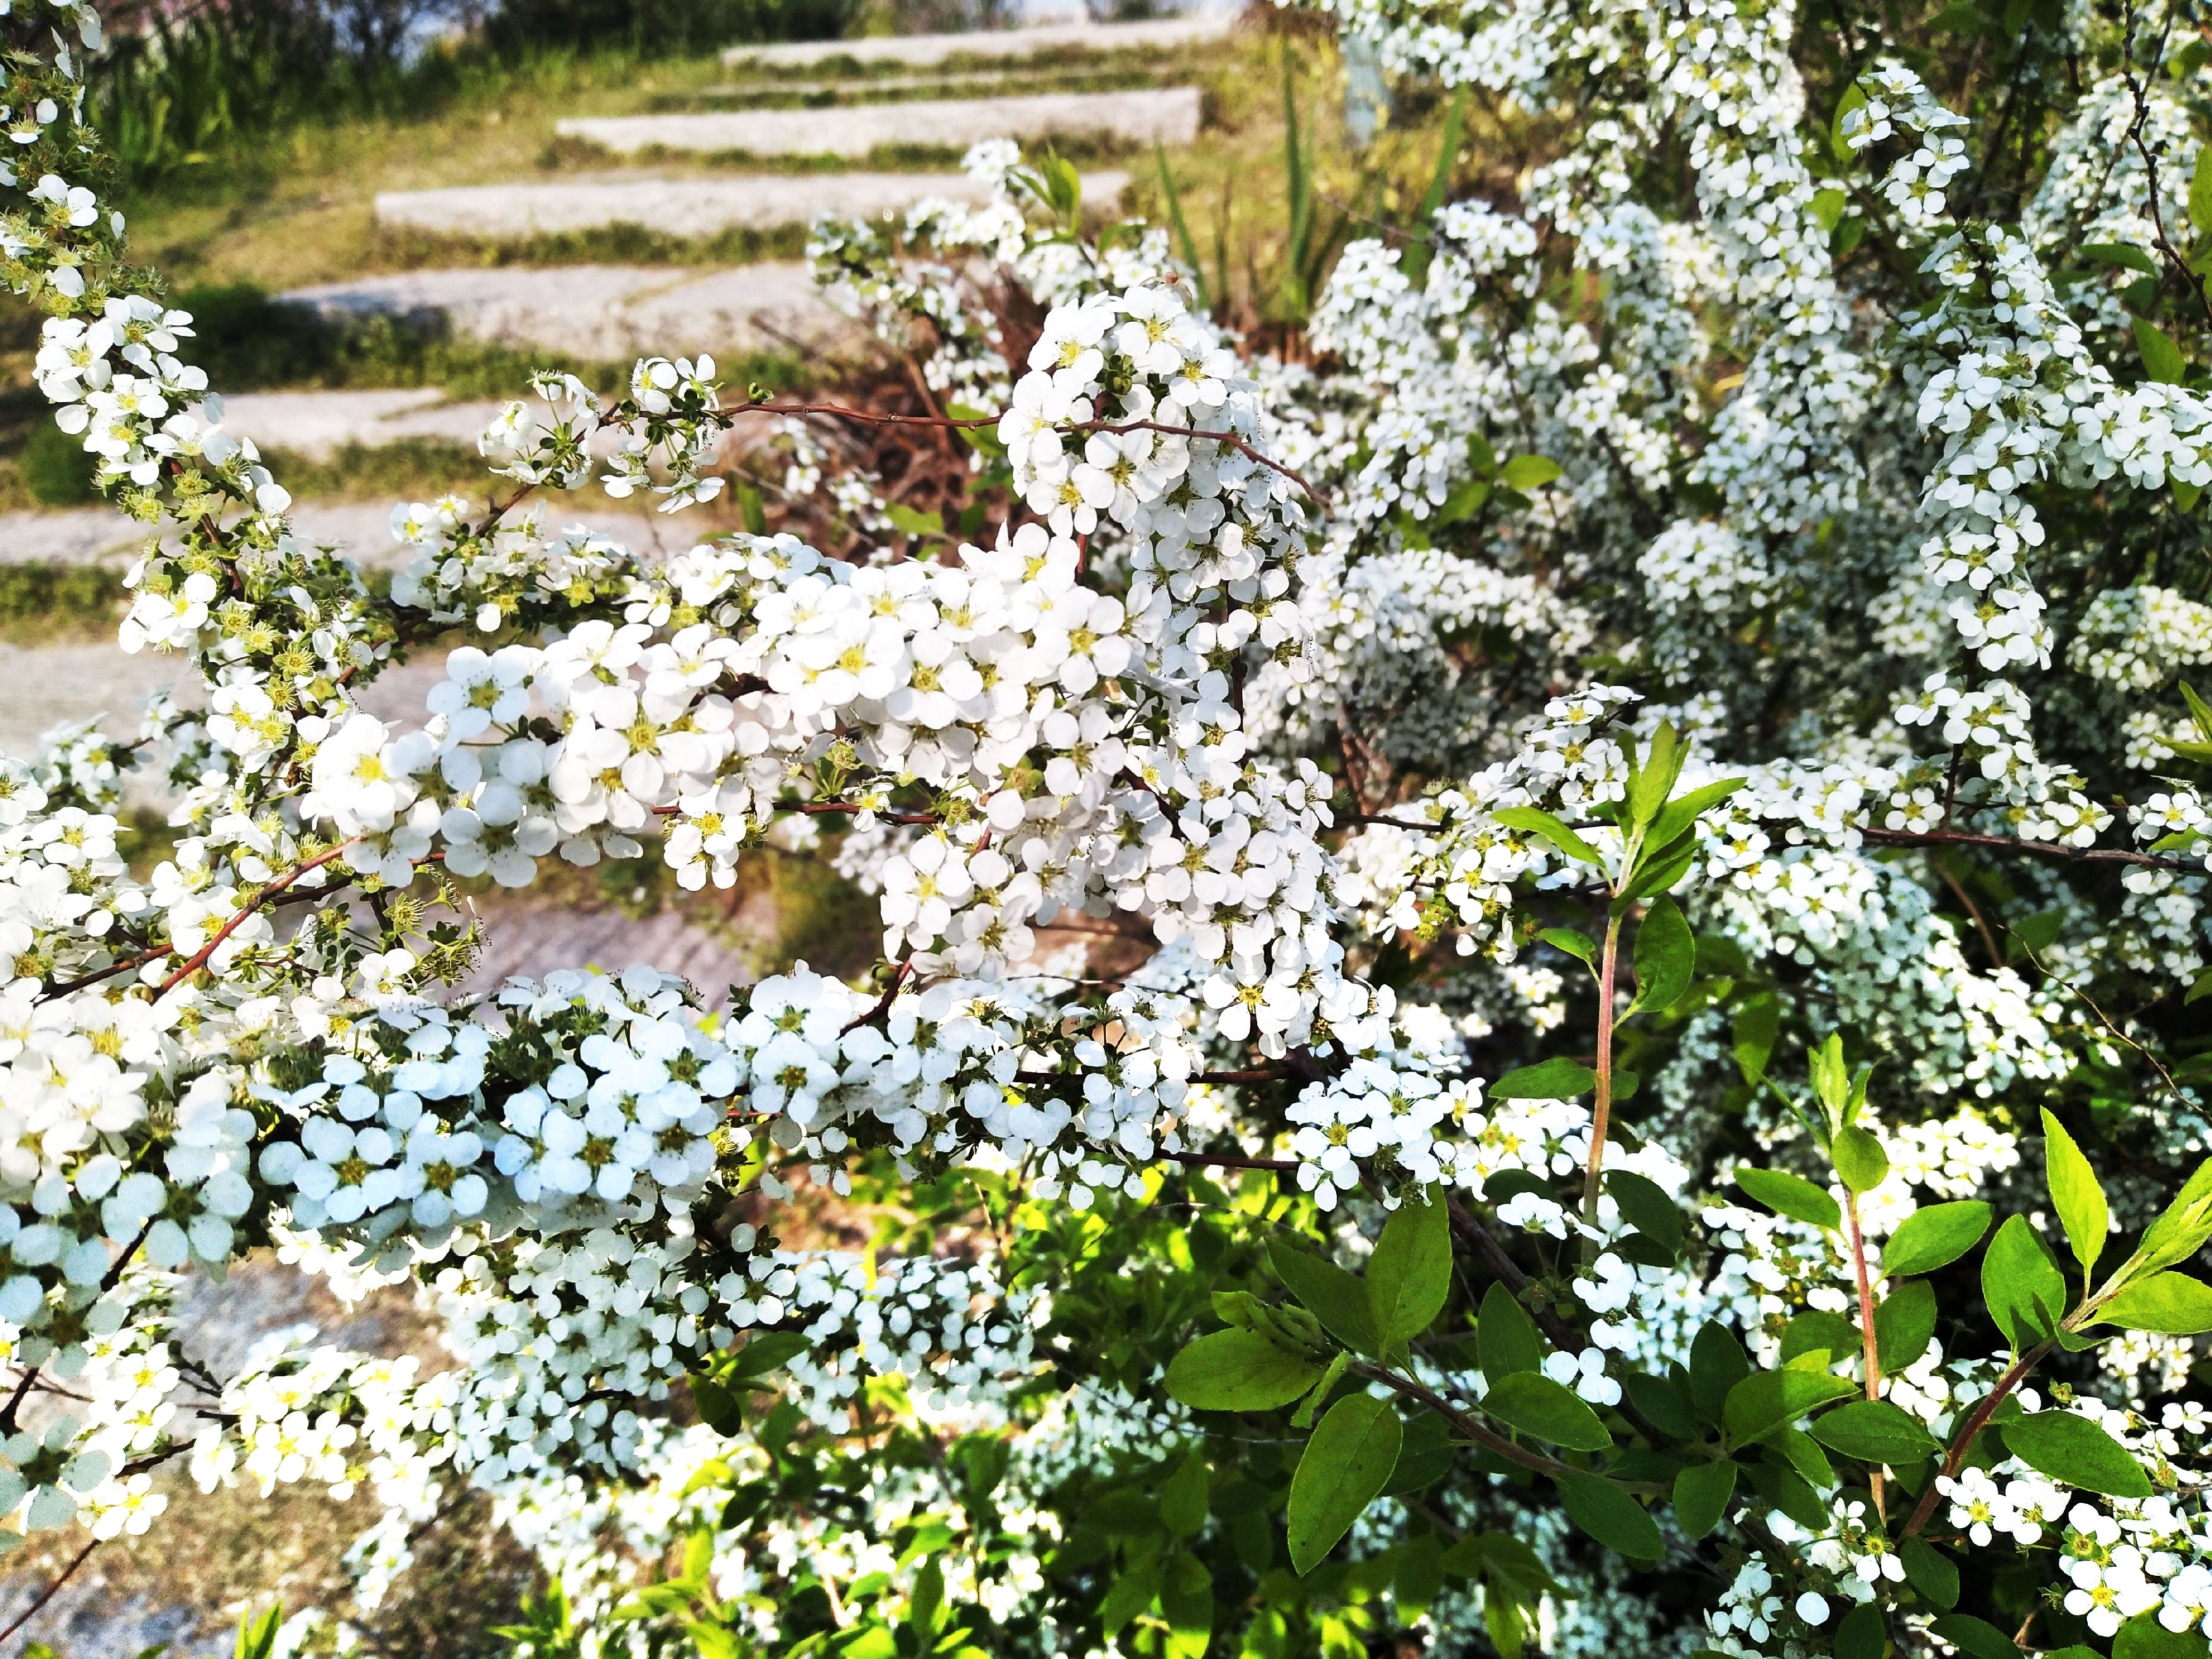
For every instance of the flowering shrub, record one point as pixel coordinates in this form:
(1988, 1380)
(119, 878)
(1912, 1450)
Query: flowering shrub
(1508, 961)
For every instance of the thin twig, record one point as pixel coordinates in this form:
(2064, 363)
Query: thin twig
(51, 1590)
(838, 412)
(200, 957)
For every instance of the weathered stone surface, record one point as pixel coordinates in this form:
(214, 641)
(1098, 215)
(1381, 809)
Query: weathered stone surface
(1166, 115)
(692, 208)
(1160, 34)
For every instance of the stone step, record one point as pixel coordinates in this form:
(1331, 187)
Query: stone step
(361, 530)
(692, 207)
(1164, 114)
(851, 86)
(318, 424)
(1161, 34)
(605, 312)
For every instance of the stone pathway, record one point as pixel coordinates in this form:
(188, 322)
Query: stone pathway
(606, 312)
(1162, 34)
(1159, 114)
(97, 535)
(688, 207)
(317, 423)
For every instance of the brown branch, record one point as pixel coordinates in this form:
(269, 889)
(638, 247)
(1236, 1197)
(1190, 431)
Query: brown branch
(1956, 1458)
(1487, 1438)
(2036, 848)
(891, 994)
(1280, 1165)
(838, 412)
(200, 957)
(51, 1590)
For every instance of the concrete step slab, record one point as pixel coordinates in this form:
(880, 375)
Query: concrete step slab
(1161, 34)
(694, 207)
(317, 424)
(605, 312)
(1163, 114)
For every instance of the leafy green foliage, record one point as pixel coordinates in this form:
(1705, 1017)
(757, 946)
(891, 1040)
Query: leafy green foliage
(2070, 1447)
(1345, 1466)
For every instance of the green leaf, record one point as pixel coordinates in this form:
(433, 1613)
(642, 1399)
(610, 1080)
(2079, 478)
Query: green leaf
(1335, 1298)
(1409, 1274)
(1610, 1516)
(1183, 1497)
(1828, 207)
(1646, 1204)
(1666, 954)
(1424, 1457)
(717, 1407)
(2181, 1230)
(1717, 1364)
(1862, 1633)
(1529, 471)
(1875, 1431)
(1556, 1078)
(2162, 359)
(1859, 1158)
(1317, 1396)
(913, 520)
(1238, 1371)
(2119, 254)
(1932, 1237)
(1812, 1331)
(1346, 1464)
(1462, 504)
(1532, 1403)
(1791, 1195)
(2143, 1637)
(1130, 1594)
(1579, 945)
(2074, 1449)
(1975, 1636)
(2022, 1284)
(1701, 1496)
(1505, 1339)
(1676, 818)
(2075, 1192)
(1535, 822)
(2200, 193)
(2173, 1305)
(771, 1351)
(2199, 710)
(1930, 1572)
(1664, 1401)
(1904, 1324)
(1764, 1400)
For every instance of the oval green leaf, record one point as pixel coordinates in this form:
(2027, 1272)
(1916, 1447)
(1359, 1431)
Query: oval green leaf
(1764, 1400)
(2173, 1305)
(1791, 1195)
(1409, 1274)
(1701, 1496)
(1345, 1465)
(2022, 1284)
(2074, 1449)
(1610, 1516)
(1875, 1431)
(1548, 1079)
(1535, 1404)
(1238, 1371)
(1934, 1237)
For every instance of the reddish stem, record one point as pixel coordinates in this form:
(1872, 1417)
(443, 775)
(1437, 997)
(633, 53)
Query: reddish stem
(1601, 1111)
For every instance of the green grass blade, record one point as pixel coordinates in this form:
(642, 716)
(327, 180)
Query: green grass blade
(1417, 255)
(1184, 237)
